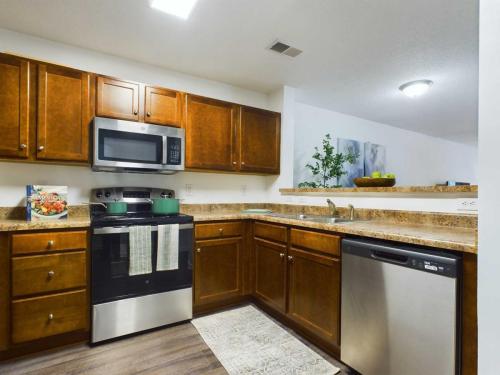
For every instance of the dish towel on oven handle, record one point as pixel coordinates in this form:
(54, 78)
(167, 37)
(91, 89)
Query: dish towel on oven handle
(140, 262)
(168, 247)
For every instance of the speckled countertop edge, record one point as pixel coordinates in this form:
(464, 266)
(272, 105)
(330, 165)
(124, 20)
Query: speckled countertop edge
(448, 238)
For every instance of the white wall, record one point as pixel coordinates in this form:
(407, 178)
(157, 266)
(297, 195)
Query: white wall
(489, 179)
(415, 158)
(205, 187)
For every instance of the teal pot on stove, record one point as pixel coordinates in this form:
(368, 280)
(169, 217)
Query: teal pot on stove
(165, 206)
(116, 208)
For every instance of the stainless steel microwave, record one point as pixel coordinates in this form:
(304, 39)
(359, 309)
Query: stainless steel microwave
(127, 146)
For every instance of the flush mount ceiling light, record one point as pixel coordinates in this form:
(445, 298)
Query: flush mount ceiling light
(416, 88)
(178, 8)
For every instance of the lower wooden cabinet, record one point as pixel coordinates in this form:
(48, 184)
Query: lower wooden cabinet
(44, 290)
(314, 293)
(270, 273)
(217, 270)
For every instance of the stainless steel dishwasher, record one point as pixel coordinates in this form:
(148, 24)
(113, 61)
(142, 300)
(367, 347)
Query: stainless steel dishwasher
(400, 309)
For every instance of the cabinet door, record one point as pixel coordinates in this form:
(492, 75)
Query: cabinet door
(65, 112)
(117, 99)
(217, 274)
(259, 141)
(163, 107)
(210, 134)
(270, 268)
(314, 293)
(14, 104)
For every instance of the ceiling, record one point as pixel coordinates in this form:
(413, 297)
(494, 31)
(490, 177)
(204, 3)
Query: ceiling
(356, 52)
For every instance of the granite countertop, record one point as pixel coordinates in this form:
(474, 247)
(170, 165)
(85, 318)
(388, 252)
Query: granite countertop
(10, 225)
(442, 237)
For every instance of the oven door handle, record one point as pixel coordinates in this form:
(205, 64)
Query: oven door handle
(126, 229)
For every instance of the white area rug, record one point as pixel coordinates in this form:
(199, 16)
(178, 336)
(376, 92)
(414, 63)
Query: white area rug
(246, 341)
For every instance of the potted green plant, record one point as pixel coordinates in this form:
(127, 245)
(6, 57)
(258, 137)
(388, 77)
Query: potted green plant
(328, 165)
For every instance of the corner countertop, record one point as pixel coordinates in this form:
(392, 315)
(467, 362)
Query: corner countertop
(442, 237)
(11, 225)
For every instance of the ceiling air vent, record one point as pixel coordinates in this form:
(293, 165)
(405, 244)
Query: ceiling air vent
(284, 49)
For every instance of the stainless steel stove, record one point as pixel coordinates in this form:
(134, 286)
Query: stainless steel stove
(122, 303)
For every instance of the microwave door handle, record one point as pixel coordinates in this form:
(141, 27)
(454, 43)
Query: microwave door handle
(165, 150)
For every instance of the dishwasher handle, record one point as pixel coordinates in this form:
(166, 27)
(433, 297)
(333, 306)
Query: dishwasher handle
(389, 257)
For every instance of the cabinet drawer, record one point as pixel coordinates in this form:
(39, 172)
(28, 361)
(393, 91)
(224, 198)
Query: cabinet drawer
(218, 230)
(38, 317)
(48, 273)
(326, 243)
(270, 231)
(48, 241)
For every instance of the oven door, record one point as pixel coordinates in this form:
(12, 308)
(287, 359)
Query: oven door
(110, 265)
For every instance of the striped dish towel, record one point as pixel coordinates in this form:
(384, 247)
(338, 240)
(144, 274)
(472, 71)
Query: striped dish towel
(168, 247)
(140, 250)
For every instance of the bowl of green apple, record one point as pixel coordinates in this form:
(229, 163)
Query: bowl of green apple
(377, 179)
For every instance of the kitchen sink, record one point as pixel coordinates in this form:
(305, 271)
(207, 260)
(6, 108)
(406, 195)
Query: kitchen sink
(314, 218)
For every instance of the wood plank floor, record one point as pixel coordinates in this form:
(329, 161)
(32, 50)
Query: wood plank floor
(176, 350)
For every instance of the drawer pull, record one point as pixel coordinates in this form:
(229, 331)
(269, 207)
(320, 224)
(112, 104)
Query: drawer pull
(50, 243)
(51, 316)
(221, 230)
(198, 250)
(50, 274)
(282, 255)
(148, 114)
(22, 146)
(290, 259)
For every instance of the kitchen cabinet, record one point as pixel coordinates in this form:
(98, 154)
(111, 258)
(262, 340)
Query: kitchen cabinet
(259, 135)
(14, 102)
(270, 273)
(314, 293)
(117, 98)
(163, 106)
(210, 134)
(217, 270)
(43, 275)
(65, 112)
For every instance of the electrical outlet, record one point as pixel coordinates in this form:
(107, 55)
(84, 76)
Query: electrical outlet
(466, 204)
(189, 190)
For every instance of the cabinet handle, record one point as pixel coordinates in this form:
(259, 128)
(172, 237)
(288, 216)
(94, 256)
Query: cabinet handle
(50, 274)
(234, 163)
(221, 231)
(50, 243)
(198, 250)
(22, 146)
(41, 148)
(135, 112)
(242, 163)
(51, 316)
(282, 255)
(290, 258)
(148, 114)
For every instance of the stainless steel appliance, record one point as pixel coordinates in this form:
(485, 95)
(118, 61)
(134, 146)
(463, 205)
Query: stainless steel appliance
(126, 146)
(123, 304)
(400, 309)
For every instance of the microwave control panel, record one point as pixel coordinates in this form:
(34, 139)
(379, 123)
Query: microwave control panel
(174, 151)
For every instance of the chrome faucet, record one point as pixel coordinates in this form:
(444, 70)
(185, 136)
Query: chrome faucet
(332, 207)
(351, 211)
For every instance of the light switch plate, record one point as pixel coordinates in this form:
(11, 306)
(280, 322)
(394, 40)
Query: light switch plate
(467, 204)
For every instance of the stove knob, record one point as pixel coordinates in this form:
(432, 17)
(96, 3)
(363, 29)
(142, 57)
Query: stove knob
(98, 194)
(107, 194)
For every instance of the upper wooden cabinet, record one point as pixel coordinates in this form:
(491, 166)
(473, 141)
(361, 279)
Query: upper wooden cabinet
(65, 111)
(210, 134)
(259, 141)
(225, 136)
(163, 106)
(14, 104)
(117, 99)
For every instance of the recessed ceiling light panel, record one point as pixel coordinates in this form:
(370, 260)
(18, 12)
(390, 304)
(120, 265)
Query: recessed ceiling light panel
(178, 8)
(416, 88)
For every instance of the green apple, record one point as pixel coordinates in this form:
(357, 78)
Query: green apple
(389, 175)
(376, 174)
